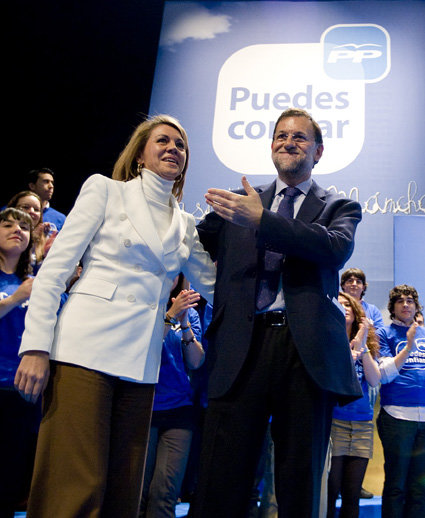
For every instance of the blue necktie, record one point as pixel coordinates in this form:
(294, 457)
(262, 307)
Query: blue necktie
(270, 275)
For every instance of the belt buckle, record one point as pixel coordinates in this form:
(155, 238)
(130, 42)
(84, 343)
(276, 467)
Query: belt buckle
(281, 323)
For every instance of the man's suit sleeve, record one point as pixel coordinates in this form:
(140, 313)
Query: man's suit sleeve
(327, 241)
(199, 269)
(209, 229)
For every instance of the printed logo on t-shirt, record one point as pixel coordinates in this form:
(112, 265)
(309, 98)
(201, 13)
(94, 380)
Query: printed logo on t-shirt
(416, 359)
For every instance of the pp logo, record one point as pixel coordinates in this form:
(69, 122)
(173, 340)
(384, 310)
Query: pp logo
(356, 52)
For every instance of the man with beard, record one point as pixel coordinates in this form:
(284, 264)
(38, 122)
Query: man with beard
(277, 342)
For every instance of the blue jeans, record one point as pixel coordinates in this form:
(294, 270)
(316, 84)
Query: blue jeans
(404, 453)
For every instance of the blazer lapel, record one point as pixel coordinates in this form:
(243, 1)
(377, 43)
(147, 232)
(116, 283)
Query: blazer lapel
(312, 205)
(266, 194)
(139, 214)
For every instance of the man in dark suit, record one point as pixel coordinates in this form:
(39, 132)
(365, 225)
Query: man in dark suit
(277, 342)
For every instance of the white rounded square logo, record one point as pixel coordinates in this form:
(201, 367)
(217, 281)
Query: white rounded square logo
(258, 82)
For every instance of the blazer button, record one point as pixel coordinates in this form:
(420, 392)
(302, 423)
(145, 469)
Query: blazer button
(127, 243)
(123, 216)
(138, 267)
(131, 298)
(152, 306)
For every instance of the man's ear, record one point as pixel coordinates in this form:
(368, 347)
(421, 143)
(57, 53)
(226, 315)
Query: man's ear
(319, 152)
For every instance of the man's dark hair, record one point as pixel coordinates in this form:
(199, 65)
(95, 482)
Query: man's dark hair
(35, 173)
(358, 274)
(397, 292)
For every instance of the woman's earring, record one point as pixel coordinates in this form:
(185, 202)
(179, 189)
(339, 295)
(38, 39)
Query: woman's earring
(139, 168)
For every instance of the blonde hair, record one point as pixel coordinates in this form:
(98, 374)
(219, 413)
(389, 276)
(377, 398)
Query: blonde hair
(125, 167)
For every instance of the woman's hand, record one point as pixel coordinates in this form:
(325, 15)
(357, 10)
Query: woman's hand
(359, 341)
(38, 231)
(180, 305)
(356, 355)
(32, 375)
(185, 299)
(49, 242)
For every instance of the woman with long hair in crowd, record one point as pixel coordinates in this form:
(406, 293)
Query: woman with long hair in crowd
(352, 424)
(19, 419)
(30, 203)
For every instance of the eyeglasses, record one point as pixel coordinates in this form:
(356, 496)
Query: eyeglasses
(298, 138)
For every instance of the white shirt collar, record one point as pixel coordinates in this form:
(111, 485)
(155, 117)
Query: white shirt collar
(400, 323)
(304, 187)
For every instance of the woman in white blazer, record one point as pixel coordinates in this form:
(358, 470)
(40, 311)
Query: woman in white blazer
(104, 348)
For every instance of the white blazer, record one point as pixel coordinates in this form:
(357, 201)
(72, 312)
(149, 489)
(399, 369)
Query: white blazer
(113, 320)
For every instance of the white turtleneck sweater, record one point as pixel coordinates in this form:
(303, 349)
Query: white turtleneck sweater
(158, 192)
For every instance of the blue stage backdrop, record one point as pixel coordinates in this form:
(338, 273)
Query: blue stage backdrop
(228, 69)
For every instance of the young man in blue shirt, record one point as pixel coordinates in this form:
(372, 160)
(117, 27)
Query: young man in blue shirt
(41, 181)
(401, 421)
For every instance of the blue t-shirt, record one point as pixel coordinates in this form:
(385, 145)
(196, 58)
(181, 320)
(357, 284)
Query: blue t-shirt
(11, 329)
(361, 409)
(373, 313)
(54, 217)
(174, 389)
(408, 388)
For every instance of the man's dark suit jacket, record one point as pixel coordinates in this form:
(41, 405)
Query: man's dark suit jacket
(316, 244)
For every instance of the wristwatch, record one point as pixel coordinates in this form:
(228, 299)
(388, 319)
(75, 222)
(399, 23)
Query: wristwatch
(170, 320)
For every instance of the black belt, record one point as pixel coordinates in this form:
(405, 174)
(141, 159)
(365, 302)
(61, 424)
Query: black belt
(272, 318)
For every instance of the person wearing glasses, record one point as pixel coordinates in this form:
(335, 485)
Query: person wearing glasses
(353, 282)
(278, 346)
